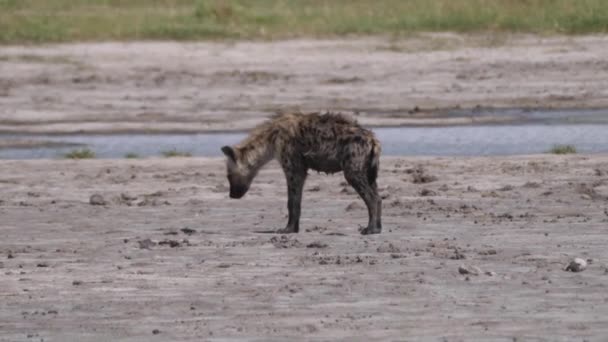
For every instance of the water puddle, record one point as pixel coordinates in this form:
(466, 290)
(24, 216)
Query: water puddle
(483, 140)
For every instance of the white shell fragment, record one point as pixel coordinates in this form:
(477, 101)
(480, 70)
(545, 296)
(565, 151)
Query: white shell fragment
(577, 265)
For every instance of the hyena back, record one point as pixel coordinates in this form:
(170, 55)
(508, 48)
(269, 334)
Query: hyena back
(322, 142)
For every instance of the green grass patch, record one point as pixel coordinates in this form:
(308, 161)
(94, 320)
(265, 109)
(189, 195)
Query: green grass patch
(75, 20)
(175, 153)
(563, 149)
(83, 153)
(132, 156)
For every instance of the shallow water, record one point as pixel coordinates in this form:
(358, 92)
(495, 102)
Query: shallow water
(397, 141)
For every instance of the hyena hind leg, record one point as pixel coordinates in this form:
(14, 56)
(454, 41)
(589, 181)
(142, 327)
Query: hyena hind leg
(369, 193)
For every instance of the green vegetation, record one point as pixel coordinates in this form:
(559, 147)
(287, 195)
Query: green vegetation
(563, 149)
(71, 20)
(83, 153)
(175, 153)
(131, 156)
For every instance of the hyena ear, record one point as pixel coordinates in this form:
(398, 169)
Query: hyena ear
(229, 152)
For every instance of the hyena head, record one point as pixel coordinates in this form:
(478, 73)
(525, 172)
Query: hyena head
(239, 175)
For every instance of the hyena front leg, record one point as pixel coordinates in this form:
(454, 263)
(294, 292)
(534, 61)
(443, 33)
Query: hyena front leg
(295, 185)
(378, 209)
(369, 194)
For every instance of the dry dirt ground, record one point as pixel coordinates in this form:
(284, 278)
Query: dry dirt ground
(169, 257)
(185, 87)
(166, 256)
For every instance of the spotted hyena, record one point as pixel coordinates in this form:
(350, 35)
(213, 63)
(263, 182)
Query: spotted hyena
(323, 142)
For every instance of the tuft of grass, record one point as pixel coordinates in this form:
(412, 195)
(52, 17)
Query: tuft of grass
(131, 156)
(83, 153)
(563, 149)
(75, 20)
(175, 153)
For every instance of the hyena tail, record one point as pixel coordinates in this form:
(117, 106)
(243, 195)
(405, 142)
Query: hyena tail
(373, 162)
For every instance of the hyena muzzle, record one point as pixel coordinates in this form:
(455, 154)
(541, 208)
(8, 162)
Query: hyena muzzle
(322, 142)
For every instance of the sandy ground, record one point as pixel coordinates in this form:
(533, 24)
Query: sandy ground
(185, 87)
(170, 258)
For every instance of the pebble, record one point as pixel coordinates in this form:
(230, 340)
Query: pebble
(467, 269)
(146, 244)
(97, 199)
(427, 192)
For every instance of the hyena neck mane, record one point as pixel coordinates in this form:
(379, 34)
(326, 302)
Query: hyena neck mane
(256, 150)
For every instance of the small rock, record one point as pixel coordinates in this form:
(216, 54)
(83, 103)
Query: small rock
(76, 282)
(577, 265)
(42, 264)
(316, 244)
(170, 243)
(155, 331)
(468, 269)
(126, 199)
(188, 231)
(146, 244)
(490, 273)
(97, 199)
(427, 192)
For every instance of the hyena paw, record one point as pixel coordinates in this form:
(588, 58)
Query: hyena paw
(286, 230)
(370, 230)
